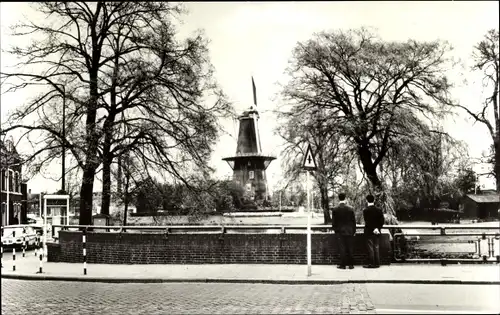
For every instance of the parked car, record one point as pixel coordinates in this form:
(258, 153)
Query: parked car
(37, 224)
(10, 241)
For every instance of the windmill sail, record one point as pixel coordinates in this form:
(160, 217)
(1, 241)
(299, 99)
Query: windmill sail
(254, 93)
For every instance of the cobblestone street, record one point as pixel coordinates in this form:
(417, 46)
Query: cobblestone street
(54, 297)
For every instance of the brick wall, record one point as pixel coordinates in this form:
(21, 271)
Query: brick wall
(132, 248)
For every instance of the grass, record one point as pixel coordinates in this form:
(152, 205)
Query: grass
(438, 246)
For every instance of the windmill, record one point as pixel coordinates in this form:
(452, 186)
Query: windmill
(250, 163)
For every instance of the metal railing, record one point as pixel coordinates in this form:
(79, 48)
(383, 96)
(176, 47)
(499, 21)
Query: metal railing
(226, 229)
(251, 228)
(403, 243)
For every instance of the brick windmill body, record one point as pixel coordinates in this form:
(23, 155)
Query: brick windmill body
(249, 164)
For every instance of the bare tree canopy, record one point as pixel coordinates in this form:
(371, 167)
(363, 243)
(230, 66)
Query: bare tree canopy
(129, 87)
(331, 150)
(487, 60)
(373, 92)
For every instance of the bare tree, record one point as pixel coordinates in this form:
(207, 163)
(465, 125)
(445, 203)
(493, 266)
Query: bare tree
(298, 129)
(487, 59)
(132, 177)
(105, 59)
(421, 170)
(368, 87)
(161, 92)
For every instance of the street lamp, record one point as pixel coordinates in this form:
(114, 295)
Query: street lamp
(63, 170)
(63, 144)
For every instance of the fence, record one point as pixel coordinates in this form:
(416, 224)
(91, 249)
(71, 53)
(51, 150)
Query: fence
(403, 237)
(405, 240)
(219, 245)
(405, 244)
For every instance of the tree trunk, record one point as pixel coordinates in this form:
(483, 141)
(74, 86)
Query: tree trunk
(86, 196)
(106, 165)
(92, 143)
(106, 185)
(119, 176)
(371, 172)
(127, 179)
(108, 137)
(325, 204)
(322, 181)
(369, 167)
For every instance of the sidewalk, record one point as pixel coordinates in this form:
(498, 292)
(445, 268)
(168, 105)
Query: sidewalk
(27, 268)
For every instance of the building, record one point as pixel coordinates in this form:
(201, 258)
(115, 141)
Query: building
(249, 164)
(13, 192)
(481, 206)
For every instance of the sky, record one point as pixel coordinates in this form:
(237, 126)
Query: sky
(256, 39)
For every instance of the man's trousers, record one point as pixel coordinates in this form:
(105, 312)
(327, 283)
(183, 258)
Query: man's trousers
(373, 247)
(346, 249)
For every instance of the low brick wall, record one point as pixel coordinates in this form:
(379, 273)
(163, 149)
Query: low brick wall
(54, 252)
(132, 248)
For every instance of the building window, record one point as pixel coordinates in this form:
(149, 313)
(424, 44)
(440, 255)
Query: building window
(4, 180)
(251, 175)
(18, 182)
(4, 213)
(10, 179)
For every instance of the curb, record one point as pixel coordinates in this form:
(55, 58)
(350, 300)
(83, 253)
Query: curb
(222, 280)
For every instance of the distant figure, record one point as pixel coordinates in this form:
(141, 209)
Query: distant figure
(374, 220)
(390, 219)
(344, 225)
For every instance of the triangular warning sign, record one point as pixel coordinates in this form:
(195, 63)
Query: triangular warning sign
(309, 161)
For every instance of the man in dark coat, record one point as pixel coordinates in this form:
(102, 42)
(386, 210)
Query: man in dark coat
(374, 220)
(344, 225)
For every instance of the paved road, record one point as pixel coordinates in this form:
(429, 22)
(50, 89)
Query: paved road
(434, 298)
(57, 297)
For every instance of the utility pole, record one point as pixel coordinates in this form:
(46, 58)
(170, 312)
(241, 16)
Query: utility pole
(63, 184)
(8, 194)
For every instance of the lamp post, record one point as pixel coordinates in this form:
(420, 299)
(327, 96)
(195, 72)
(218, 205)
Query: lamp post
(8, 195)
(63, 184)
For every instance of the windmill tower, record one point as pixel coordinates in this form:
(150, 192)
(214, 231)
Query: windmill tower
(249, 164)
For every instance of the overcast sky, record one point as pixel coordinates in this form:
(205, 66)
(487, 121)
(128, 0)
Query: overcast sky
(257, 39)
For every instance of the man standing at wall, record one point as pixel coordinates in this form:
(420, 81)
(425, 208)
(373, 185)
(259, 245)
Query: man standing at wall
(374, 220)
(344, 225)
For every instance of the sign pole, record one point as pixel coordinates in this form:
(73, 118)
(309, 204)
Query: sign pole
(312, 202)
(308, 228)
